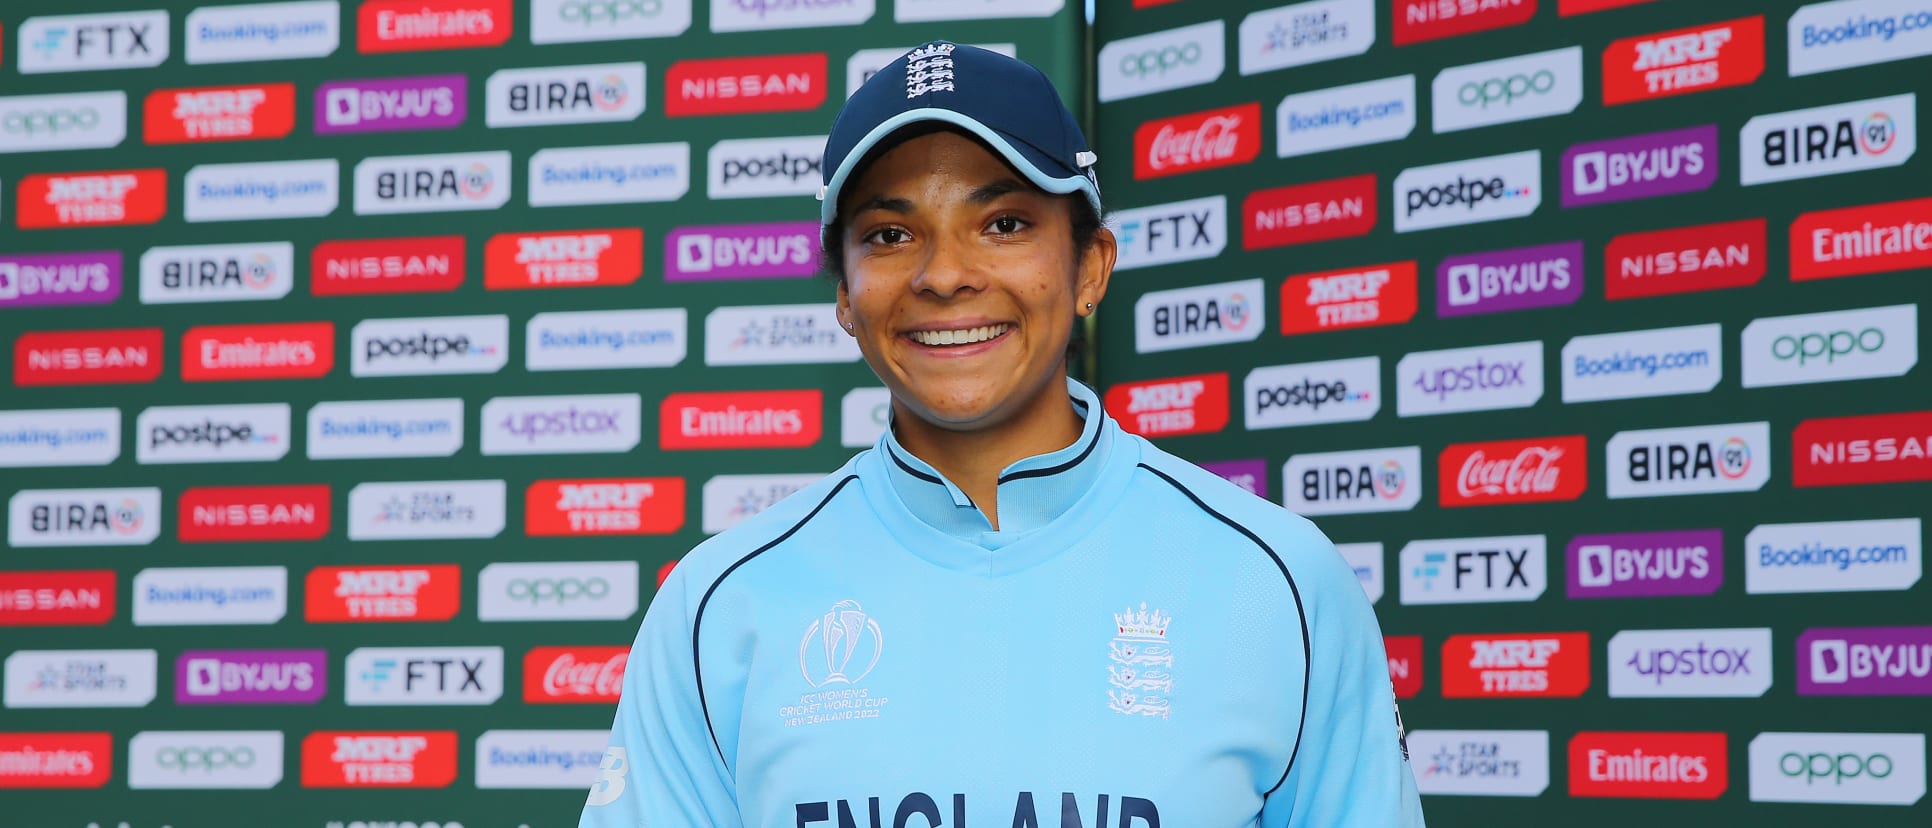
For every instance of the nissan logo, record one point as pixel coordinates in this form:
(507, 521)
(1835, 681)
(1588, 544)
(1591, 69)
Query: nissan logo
(1158, 61)
(560, 590)
(185, 759)
(1506, 89)
(591, 12)
(49, 121)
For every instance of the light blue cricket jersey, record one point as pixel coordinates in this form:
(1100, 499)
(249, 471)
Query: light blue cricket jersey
(1141, 645)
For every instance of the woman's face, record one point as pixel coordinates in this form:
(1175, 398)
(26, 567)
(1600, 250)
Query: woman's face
(962, 282)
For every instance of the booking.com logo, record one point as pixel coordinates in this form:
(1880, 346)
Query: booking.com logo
(1628, 362)
(1840, 558)
(1866, 28)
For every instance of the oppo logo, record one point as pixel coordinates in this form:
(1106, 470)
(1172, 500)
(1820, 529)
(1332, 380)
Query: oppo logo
(1162, 61)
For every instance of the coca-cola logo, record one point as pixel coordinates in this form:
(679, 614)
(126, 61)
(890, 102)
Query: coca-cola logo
(1197, 141)
(556, 675)
(1514, 471)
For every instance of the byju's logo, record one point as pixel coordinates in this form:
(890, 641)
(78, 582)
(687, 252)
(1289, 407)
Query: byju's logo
(205, 760)
(776, 335)
(1480, 762)
(1474, 570)
(1826, 37)
(86, 42)
(1355, 297)
(1468, 192)
(84, 517)
(212, 434)
(557, 591)
(1353, 115)
(1871, 238)
(210, 595)
(110, 197)
(1654, 363)
(391, 104)
(1830, 347)
(1835, 556)
(420, 675)
(432, 183)
(1735, 457)
(591, 93)
(1646, 564)
(385, 428)
(217, 273)
(1250, 475)
(1838, 768)
(1311, 393)
(593, 423)
(251, 676)
(1548, 275)
(626, 174)
(1469, 379)
(1512, 89)
(731, 499)
(263, 31)
(84, 120)
(1348, 482)
(1677, 664)
(248, 192)
(433, 345)
(776, 250)
(1640, 166)
(1167, 320)
(1827, 140)
(425, 510)
(1179, 231)
(1865, 661)
(1304, 33)
(759, 167)
(1158, 62)
(60, 279)
(588, 340)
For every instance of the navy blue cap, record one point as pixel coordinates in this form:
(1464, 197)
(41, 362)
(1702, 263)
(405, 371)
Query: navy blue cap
(1003, 101)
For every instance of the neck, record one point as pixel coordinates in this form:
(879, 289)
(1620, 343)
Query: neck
(973, 460)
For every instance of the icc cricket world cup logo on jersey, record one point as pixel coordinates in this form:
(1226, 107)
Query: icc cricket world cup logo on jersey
(825, 654)
(1141, 674)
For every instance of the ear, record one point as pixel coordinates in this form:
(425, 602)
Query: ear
(844, 310)
(1096, 269)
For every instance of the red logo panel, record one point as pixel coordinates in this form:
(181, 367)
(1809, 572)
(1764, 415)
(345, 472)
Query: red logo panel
(571, 258)
(1650, 765)
(57, 760)
(92, 198)
(741, 419)
(423, 264)
(220, 113)
(1419, 20)
(416, 25)
(1513, 471)
(574, 675)
(48, 598)
(294, 350)
(1685, 259)
(97, 357)
(1353, 297)
(1526, 664)
(379, 759)
(254, 513)
(725, 86)
(1303, 213)
(1405, 664)
(430, 592)
(1880, 448)
(1682, 61)
(1196, 404)
(1197, 141)
(1566, 8)
(608, 506)
(1874, 238)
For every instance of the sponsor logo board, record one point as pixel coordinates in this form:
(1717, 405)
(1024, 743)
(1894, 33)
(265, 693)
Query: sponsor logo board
(1544, 276)
(1477, 190)
(1682, 61)
(1834, 556)
(420, 264)
(219, 113)
(92, 42)
(773, 250)
(762, 83)
(1484, 378)
(81, 120)
(533, 759)
(740, 419)
(252, 192)
(1838, 768)
(585, 340)
(290, 350)
(864, 414)
(760, 167)
(205, 760)
(574, 675)
(1299, 34)
(1521, 88)
(253, 513)
(553, 95)
(1535, 470)
(1348, 482)
(1640, 166)
(1303, 213)
(432, 183)
(429, 345)
(422, 676)
(1734, 457)
(57, 760)
(553, 591)
(1161, 61)
(1193, 317)
(391, 104)
(1871, 134)
(212, 433)
(45, 598)
(1853, 241)
(60, 437)
(91, 357)
(604, 506)
(777, 335)
(48, 279)
(1555, 665)
(1197, 141)
(569, 258)
(1830, 347)
(1353, 297)
(256, 271)
(1405, 664)
(262, 31)
(1826, 37)
(1865, 661)
(379, 759)
(1416, 21)
(1880, 448)
(1179, 231)
(582, 424)
(80, 678)
(111, 197)
(731, 499)
(1645, 564)
(416, 25)
(1365, 559)
(1634, 765)
(1728, 254)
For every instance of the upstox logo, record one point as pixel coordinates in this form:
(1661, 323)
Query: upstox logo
(432, 183)
(590, 93)
(1468, 192)
(1158, 62)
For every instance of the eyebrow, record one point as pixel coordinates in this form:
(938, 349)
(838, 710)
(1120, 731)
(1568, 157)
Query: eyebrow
(980, 196)
(991, 192)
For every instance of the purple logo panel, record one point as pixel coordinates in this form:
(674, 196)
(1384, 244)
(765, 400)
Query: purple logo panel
(1640, 166)
(1248, 474)
(1510, 280)
(778, 250)
(28, 281)
(251, 676)
(1865, 661)
(1646, 564)
(391, 104)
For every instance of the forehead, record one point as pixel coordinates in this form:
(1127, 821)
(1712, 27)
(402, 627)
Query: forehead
(939, 157)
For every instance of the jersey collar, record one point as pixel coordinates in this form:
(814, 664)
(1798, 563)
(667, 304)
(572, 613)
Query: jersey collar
(1032, 491)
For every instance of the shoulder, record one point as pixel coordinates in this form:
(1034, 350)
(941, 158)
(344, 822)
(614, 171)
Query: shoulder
(712, 560)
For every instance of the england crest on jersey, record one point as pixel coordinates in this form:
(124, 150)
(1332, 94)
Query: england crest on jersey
(1141, 677)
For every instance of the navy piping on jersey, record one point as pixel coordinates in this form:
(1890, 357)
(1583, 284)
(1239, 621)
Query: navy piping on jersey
(1307, 657)
(1049, 472)
(697, 622)
(909, 469)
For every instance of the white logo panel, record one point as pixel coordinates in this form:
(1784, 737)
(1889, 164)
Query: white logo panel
(1838, 768)
(777, 335)
(80, 678)
(731, 499)
(1834, 556)
(552, 591)
(531, 759)
(1468, 192)
(263, 31)
(84, 517)
(1178, 231)
(1654, 363)
(760, 167)
(205, 760)
(422, 676)
(1831, 347)
(1474, 570)
(385, 428)
(1162, 61)
(429, 345)
(1351, 482)
(1734, 457)
(1480, 762)
(249, 192)
(864, 414)
(625, 174)
(210, 595)
(577, 21)
(60, 437)
(585, 424)
(426, 510)
(80, 120)
(1279, 396)
(1828, 140)
(1366, 560)
(261, 271)
(1339, 117)
(586, 340)
(1680, 664)
(1485, 378)
(90, 42)
(1193, 317)
(432, 183)
(1302, 33)
(1521, 88)
(1825, 37)
(212, 434)
(552, 95)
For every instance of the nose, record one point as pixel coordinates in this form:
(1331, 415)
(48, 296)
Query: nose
(948, 269)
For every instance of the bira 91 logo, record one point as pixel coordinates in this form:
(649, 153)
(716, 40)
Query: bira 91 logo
(422, 264)
(1879, 448)
(254, 513)
(92, 198)
(1353, 297)
(416, 25)
(220, 113)
(1196, 404)
(574, 675)
(1734, 457)
(1865, 661)
(741, 419)
(295, 350)
(1873, 238)
(251, 272)
(430, 592)
(1829, 140)
(84, 517)
(725, 86)
(1635, 765)
(570, 258)
(96, 357)
(1347, 482)
(1416, 21)
(1513, 471)
(56, 760)
(1405, 664)
(432, 183)
(379, 759)
(1729, 254)
(592, 93)
(1192, 317)
(1197, 141)
(1303, 213)
(608, 506)
(1528, 664)
(48, 598)
(1682, 61)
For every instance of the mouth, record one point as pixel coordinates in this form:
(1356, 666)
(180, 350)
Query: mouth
(959, 337)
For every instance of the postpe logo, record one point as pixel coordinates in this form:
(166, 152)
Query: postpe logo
(1467, 192)
(1311, 393)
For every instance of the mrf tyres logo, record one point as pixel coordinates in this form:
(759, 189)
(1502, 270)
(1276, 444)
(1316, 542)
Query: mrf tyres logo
(1735, 457)
(109, 197)
(379, 759)
(1509, 665)
(1355, 297)
(1683, 61)
(1495, 188)
(1196, 404)
(1168, 320)
(1350, 482)
(1830, 347)
(430, 592)
(590, 93)
(432, 345)
(604, 506)
(432, 183)
(1484, 378)
(1678, 664)
(219, 113)
(1871, 134)
(1312, 393)
(1474, 570)
(563, 258)
(761, 167)
(1180, 231)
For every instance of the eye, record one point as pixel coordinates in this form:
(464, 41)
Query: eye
(1008, 225)
(887, 236)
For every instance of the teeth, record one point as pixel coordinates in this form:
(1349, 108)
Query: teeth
(963, 336)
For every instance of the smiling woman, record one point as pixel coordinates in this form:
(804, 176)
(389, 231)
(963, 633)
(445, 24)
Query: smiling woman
(1081, 624)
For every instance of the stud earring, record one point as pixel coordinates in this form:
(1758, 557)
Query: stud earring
(1090, 307)
(848, 326)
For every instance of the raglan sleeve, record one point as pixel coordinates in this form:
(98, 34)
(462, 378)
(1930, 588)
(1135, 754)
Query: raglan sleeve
(661, 767)
(1351, 767)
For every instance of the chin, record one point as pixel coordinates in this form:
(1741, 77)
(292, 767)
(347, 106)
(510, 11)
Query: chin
(958, 410)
